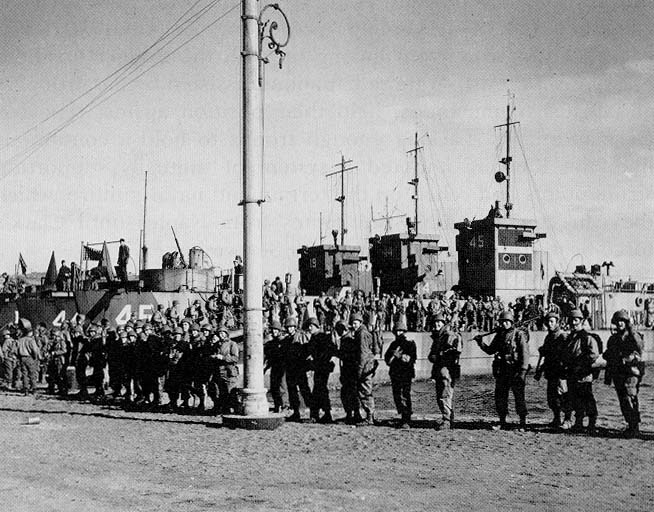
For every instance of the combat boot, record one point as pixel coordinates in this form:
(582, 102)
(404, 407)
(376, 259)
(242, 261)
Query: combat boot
(502, 425)
(295, 416)
(444, 425)
(523, 424)
(592, 429)
(327, 418)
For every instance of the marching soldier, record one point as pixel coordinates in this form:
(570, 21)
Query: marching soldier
(444, 354)
(401, 359)
(511, 349)
(551, 366)
(624, 367)
(321, 350)
(579, 354)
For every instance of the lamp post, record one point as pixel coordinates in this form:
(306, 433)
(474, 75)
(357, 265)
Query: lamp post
(256, 31)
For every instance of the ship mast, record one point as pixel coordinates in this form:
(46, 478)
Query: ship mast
(341, 198)
(415, 180)
(144, 248)
(507, 159)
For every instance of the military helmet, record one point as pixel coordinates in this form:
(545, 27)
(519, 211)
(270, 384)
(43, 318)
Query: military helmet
(400, 325)
(222, 328)
(506, 315)
(552, 314)
(290, 322)
(5, 332)
(178, 330)
(620, 315)
(576, 313)
(275, 325)
(340, 327)
(139, 324)
(187, 320)
(195, 326)
(311, 321)
(92, 328)
(356, 317)
(25, 324)
(205, 327)
(440, 318)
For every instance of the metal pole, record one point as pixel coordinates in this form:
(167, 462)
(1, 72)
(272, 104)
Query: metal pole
(342, 200)
(144, 249)
(254, 393)
(508, 162)
(415, 180)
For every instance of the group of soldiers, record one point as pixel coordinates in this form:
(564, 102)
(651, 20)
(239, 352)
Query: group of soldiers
(569, 363)
(188, 354)
(138, 362)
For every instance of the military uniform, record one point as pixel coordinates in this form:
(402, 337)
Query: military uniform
(579, 354)
(57, 354)
(296, 371)
(28, 357)
(321, 350)
(510, 365)
(624, 367)
(444, 354)
(365, 370)
(9, 360)
(275, 358)
(348, 355)
(224, 377)
(552, 368)
(401, 359)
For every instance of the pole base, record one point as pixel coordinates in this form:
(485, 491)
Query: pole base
(252, 402)
(269, 421)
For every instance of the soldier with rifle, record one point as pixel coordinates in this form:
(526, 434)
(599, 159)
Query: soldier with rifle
(551, 366)
(510, 346)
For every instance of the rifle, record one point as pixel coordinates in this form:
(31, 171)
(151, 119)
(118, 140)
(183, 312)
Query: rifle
(522, 323)
(538, 372)
(179, 249)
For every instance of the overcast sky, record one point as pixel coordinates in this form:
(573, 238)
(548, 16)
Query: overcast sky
(360, 79)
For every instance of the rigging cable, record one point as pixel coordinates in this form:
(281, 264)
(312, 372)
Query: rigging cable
(541, 203)
(91, 105)
(124, 66)
(35, 146)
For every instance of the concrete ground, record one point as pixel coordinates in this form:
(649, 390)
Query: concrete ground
(86, 457)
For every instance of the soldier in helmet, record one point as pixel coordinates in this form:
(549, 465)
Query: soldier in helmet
(222, 387)
(366, 366)
(274, 352)
(401, 359)
(28, 356)
(321, 351)
(624, 367)
(175, 377)
(57, 355)
(510, 346)
(579, 354)
(98, 358)
(348, 355)
(444, 354)
(297, 352)
(551, 365)
(9, 359)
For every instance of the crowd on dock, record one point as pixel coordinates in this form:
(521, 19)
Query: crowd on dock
(188, 355)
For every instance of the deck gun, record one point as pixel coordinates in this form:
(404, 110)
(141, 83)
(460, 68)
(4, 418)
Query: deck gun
(179, 249)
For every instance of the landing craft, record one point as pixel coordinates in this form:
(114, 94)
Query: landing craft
(118, 301)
